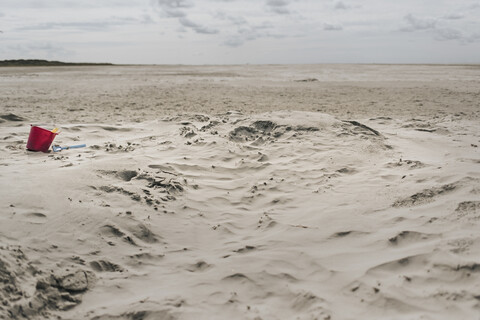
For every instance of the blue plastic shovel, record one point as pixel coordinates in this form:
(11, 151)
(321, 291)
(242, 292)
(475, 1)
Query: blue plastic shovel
(58, 148)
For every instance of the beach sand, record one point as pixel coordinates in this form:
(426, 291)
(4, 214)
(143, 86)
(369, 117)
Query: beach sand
(241, 192)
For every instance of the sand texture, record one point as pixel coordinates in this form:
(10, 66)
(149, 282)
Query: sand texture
(241, 192)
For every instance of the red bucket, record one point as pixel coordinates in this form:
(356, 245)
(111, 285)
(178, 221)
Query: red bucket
(40, 139)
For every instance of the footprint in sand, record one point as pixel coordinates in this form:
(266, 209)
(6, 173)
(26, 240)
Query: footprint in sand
(138, 231)
(35, 217)
(105, 266)
(199, 266)
(467, 211)
(426, 195)
(410, 237)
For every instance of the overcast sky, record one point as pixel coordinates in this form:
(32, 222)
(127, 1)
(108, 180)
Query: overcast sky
(241, 31)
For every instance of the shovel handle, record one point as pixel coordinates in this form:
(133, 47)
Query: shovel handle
(77, 146)
(58, 148)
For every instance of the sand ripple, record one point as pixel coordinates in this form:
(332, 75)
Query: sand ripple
(282, 215)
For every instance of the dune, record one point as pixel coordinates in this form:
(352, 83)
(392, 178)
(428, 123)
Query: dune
(241, 192)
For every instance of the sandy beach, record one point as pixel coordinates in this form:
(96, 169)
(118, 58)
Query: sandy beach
(241, 192)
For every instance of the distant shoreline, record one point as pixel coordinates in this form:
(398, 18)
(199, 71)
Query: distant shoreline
(46, 63)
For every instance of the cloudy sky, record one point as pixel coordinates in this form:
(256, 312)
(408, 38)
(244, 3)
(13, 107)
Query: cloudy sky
(241, 31)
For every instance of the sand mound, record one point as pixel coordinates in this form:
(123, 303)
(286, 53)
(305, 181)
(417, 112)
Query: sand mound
(11, 117)
(28, 292)
(214, 215)
(227, 213)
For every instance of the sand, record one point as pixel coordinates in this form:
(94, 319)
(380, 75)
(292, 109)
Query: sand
(241, 192)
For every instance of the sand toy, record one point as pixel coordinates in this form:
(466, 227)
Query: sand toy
(59, 148)
(40, 139)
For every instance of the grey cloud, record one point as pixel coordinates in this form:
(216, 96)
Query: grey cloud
(415, 24)
(146, 19)
(238, 21)
(181, 29)
(448, 34)
(438, 28)
(278, 6)
(42, 46)
(196, 27)
(174, 8)
(36, 49)
(332, 27)
(91, 25)
(241, 37)
(277, 3)
(248, 34)
(243, 31)
(177, 9)
(474, 6)
(453, 16)
(251, 33)
(64, 25)
(175, 4)
(55, 4)
(339, 5)
(234, 41)
(473, 38)
(452, 34)
(173, 13)
(235, 20)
